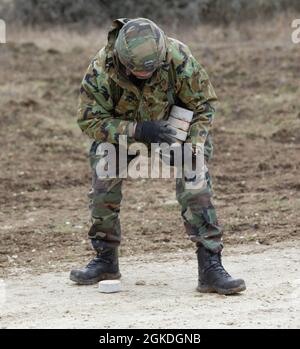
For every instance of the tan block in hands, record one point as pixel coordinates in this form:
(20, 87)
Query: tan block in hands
(180, 135)
(181, 114)
(179, 124)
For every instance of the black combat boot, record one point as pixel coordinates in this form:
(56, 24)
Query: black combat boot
(212, 275)
(104, 266)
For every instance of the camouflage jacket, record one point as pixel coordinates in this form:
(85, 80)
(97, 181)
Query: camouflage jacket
(103, 116)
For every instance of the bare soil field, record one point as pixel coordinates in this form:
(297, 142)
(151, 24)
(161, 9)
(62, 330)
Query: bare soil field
(44, 172)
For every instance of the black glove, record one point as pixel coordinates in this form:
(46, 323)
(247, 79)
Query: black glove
(154, 132)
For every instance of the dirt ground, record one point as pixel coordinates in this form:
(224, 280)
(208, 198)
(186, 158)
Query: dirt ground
(159, 292)
(44, 172)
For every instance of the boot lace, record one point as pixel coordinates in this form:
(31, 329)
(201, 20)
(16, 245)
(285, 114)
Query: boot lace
(217, 266)
(94, 262)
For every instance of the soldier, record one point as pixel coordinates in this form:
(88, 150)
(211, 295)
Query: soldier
(128, 89)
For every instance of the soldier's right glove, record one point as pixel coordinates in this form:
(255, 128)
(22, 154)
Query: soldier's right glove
(157, 131)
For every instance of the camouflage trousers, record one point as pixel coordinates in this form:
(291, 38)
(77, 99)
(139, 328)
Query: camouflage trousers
(197, 210)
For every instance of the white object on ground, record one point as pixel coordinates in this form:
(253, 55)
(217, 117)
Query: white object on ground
(110, 286)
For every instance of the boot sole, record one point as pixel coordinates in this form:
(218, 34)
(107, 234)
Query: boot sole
(105, 276)
(206, 289)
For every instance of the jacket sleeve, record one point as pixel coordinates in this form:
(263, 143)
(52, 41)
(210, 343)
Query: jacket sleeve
(197, 94)
(96, 107)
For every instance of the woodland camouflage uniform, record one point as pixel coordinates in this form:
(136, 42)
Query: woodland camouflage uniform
(109, 104)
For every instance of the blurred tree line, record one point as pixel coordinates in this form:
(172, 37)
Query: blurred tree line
(100, 12)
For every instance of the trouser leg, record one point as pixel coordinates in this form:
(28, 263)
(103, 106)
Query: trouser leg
(199, 214)
(105, 200)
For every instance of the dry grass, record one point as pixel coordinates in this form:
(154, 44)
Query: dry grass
(58, 38)
(277, 32)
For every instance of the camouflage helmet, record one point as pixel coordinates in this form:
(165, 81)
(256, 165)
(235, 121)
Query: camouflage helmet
(141, 45)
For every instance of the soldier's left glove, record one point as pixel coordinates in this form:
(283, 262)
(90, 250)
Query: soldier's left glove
(157, 131)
